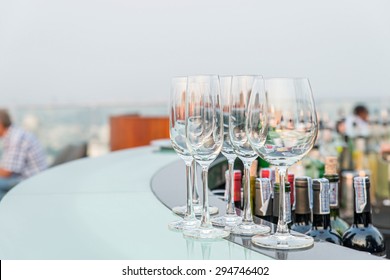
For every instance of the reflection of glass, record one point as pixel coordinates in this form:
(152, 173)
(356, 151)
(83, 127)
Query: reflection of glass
(204, 135)
(281, 254)
(282, 127)
(206, 250)
(246, 242)
(198, 208)
(238, 107)
(230, 218)
(177, 118)
(190, 248)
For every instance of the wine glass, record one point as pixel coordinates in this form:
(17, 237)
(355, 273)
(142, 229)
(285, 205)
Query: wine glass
(177, 123)
(230, 218)
(238, 108)
(282, 128)
(204, 134)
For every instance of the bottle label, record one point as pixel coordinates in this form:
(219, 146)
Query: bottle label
(324, 199)
(265, 193)
(334, 191)
(287, 205)
(310, 192)
(265, 188)
(360, 195)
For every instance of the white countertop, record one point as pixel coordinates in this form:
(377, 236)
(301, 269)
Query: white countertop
(100, 208)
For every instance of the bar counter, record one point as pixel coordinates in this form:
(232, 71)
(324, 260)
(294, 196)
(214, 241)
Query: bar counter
(118, 207)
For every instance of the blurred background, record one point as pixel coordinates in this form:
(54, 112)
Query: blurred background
(67, 67)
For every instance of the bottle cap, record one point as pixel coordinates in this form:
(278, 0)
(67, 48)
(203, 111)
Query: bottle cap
(303, 197)
(237, 174)
(253, 169)
(262, 197)
(331, 165)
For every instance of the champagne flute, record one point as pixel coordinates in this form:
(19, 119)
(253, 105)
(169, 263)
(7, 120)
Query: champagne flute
(282, 128)
(204, 134)
(239, 99)
(177, 122)
(230, 218)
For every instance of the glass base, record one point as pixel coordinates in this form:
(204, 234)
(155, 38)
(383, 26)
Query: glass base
(207, 234)
(226, 221)
(183, 224)
(249, 229)
(283, 241)
(198, 209)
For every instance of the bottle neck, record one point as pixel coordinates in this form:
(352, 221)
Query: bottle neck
(334, 212)
(362, 219)
(321, 221)
(302, 218)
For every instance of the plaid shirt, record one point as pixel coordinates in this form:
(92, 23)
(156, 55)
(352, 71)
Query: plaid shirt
(22, 153)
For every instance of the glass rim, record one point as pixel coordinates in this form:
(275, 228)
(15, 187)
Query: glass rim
(179, 78)
(286, 78)
(202, 76)
(249, 75)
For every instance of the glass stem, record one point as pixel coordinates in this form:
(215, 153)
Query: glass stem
(205, 221)
(247, 214)
(190, 207)
(195, 192)
(230, 208)
(282, 222)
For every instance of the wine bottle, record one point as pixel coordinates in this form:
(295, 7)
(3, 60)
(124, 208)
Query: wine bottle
(321, 229)
(302, 216)
(362, 235)
(263, 200)
(331, 174)
(275, 204)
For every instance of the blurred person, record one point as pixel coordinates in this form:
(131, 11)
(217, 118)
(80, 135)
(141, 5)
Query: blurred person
(357, 125)
(22, 155)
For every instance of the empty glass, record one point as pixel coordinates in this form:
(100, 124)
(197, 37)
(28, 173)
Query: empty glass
(177, 123)
(204, 134)
(239, 99)
(230, 218)
(282, 128)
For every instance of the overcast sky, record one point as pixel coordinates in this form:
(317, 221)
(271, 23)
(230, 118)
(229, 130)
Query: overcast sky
(94, 51)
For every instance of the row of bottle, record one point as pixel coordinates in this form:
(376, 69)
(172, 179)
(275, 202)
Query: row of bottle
(312, 207)
(359, 146)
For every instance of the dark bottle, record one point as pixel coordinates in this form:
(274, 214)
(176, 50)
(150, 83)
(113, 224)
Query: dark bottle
(322, 229)
(237, 188)
(331, 174)
(362, 235)
(302, 215)
(275, 204)
(263, 199)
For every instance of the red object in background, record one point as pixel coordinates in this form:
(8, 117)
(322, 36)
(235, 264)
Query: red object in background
(268, 173)
(290, 179)
(237, 188)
